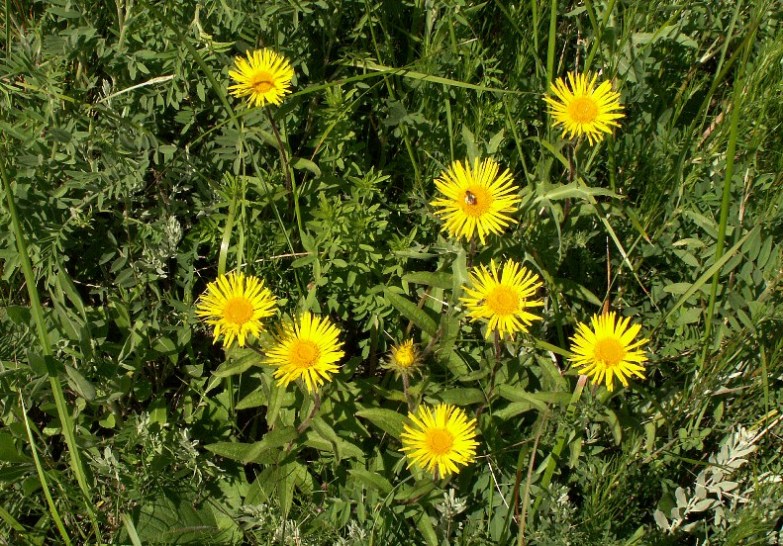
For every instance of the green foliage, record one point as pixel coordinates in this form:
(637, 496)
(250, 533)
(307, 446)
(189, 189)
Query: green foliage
(137, 179)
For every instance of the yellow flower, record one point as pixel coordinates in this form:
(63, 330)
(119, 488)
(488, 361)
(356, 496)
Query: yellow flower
(439, 440)
(584, 109)
(405, 358)
(476, 199)
(608, 350)
(235, 304)
(503, 300)
(264, 77)
(308, 350)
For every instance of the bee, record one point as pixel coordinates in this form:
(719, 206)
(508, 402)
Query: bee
(470, 199)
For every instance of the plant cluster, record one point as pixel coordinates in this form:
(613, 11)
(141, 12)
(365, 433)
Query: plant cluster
(350, 272)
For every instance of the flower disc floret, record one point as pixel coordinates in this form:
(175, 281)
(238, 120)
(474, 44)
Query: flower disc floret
(263, 77)
(503, 299)
(581, 108)
(608, 350)
(439, 439)
(476, 199)
(308, 349)
(235, 305)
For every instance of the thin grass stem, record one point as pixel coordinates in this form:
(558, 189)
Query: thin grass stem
(42, 476)
(37, 312)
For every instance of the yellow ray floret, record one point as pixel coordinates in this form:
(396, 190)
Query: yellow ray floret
(263, 77)
(308, 349)
(608, 350)
(439, 439)
(236, 304)
(581, 108)
(475, 199)
(503, 299)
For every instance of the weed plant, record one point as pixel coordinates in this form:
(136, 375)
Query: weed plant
(134, 176)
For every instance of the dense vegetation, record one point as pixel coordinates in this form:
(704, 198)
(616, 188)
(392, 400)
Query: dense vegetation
(131, 179)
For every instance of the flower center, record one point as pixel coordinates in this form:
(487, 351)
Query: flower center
(404, 356)
(262, 82)
(476, 201)
(583, 110)
(503, 300)
(304, 353)
(609, 351)
(439, 441)
(238, 311)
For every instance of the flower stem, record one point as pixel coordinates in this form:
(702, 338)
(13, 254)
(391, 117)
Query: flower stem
(289, 184)
(554, 457)
(405, 386)
(522, 518)
(316, 406)
(495, 368)
(471, 252)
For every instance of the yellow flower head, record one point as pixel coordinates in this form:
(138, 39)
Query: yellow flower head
(438, 440)
(264, 77)
(235, 305)
(503, 300)
(309, 349)
(608, 350)
(584, 109)
(476, 199)
(405, 358)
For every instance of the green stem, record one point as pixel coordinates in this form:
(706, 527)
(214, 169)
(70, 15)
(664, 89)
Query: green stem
(550, 54)
(38, 318)
(406, 384)
(526, 495)
(316, 406)
(290, 180)
(739, 83)
(562, 430)
(42, 476)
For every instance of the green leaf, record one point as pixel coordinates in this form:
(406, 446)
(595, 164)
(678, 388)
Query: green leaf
(302, 164)
(8, 451)
(387, 420)
(255, 452)
(573, 190)
(328, 434)
(439, 279)
(253, 400)
(462, 396)
(237, 362)
(372, 480)
(412, 312)
(424, 525)
(79, 384)
(538, 400)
